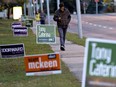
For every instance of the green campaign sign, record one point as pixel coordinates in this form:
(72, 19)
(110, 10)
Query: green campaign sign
(29, 23)
(24, 18)
(100, 63)
(46, 34)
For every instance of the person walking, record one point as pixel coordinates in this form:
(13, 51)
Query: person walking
(37, 17)
(62, 17)
(42, 17)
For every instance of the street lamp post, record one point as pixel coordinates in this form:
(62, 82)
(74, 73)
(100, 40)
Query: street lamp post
(24, 7)
(41, 3)
(58, 2)
(114, 5)
(34, 4)
(30, 8)
(48, 11)
(79, 19)
(96, 6)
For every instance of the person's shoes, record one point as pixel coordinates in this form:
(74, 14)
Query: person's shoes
(62, 48)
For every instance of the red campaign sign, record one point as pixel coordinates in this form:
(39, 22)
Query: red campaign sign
(96, 0)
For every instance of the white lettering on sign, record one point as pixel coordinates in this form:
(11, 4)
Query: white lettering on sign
(18, 49)
(101, 53)
(16, 25)
(18, 30)
(40, 64)
(42, 29)
(28, 23)
(100, 63)
(43, 33)
(101, 69)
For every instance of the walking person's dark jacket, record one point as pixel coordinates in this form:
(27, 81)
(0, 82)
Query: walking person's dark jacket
(42, 17)
(62, 18)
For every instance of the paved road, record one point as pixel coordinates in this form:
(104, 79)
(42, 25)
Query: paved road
(99, 26)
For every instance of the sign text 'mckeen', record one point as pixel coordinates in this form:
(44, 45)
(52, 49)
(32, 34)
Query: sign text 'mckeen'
(42, 63)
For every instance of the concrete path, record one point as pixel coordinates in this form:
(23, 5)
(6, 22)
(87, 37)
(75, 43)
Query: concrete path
(72, 57)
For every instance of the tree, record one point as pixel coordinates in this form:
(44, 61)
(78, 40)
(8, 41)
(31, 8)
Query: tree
(70, 4)
(53, 6)
(9, 4)
(1, 6)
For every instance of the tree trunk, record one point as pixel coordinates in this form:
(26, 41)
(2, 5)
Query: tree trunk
(8, 14)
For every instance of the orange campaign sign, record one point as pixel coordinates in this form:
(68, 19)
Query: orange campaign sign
(42, 64)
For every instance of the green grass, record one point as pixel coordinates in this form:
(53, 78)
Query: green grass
(75, 39)
(12, 71)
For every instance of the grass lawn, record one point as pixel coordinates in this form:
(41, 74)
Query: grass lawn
(75, 39)
(12, 71)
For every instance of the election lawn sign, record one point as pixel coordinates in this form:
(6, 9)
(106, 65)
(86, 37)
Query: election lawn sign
(24, 18)
(29, 23)
(12, 51)
(99, 63)
(16, 24)
(46, 34)
(20, 31)
(46, 64)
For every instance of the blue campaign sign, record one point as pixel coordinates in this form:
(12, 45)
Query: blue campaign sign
(12, 51)
(20, 31)
(16, 24)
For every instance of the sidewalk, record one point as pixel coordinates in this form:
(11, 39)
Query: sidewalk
(72, 57)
